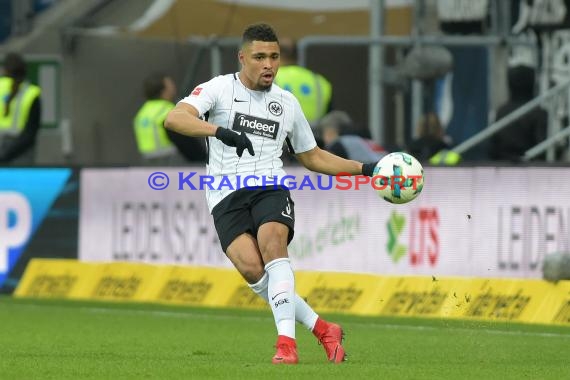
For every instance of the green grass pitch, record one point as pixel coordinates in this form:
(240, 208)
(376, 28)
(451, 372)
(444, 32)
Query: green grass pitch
(89, 340)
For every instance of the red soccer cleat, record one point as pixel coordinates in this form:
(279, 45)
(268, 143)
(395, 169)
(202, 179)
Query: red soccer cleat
(330, 335)
(286, 351)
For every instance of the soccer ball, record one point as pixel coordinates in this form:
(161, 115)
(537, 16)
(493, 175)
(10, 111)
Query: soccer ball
(398, 178)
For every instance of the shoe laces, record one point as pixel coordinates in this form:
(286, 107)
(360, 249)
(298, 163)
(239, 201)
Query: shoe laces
(284, 348)
(327, 338)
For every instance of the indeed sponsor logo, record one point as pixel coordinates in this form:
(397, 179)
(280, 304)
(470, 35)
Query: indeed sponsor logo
(256, 126)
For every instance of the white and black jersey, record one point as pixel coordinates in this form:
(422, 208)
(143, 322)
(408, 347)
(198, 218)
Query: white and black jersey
(268, 117)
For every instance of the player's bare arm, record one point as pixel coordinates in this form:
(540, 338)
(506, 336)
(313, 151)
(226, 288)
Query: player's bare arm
(321, 161)
(184, 119)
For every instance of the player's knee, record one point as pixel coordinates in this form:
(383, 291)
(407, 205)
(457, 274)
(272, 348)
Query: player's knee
(252, 273)
(272, 249)
(250, 277)
(251, 270)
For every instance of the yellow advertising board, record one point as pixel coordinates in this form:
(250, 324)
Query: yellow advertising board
(47, 278)
(194, 286)
(528, 301)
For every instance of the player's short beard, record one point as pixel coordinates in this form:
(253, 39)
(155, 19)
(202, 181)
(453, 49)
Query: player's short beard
(261, 87)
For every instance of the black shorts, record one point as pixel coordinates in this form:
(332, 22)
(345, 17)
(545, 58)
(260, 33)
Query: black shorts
(245, 210)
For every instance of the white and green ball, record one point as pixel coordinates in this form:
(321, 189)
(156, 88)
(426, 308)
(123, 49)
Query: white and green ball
(398, 178)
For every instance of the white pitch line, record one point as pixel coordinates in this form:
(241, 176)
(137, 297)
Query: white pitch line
(466, 330)
(208, 316)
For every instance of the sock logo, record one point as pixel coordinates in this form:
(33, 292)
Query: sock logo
(281, 302)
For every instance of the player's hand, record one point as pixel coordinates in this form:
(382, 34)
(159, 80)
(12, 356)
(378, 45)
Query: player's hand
(368, 169)
(239, 140)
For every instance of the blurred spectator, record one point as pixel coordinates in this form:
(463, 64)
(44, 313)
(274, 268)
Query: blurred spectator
(157, 145)
(313, 90)
(338, 134)
(42, 5)
(511, 142)
(20, 113)
(432, 144)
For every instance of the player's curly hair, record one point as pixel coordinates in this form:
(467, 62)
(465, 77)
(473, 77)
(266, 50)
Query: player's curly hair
(259, 32)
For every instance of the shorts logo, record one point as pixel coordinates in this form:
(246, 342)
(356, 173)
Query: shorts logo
(275, 108)
(256, 126)
(287, 212)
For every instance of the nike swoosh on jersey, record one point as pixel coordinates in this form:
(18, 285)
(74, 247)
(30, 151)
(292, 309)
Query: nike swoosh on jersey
(285, 215)
(239, 101)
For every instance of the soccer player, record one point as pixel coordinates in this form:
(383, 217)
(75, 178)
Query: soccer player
(245, 111)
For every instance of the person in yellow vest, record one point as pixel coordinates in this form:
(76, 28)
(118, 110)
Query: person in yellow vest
(20, 113)
(152, 140)
(157, 145)
(445, 158)
(432, 144)
(312, 90)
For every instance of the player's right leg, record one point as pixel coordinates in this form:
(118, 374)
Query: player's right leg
(272, 240)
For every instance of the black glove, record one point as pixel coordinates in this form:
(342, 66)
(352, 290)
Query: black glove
(368, 169)
(239, 140)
